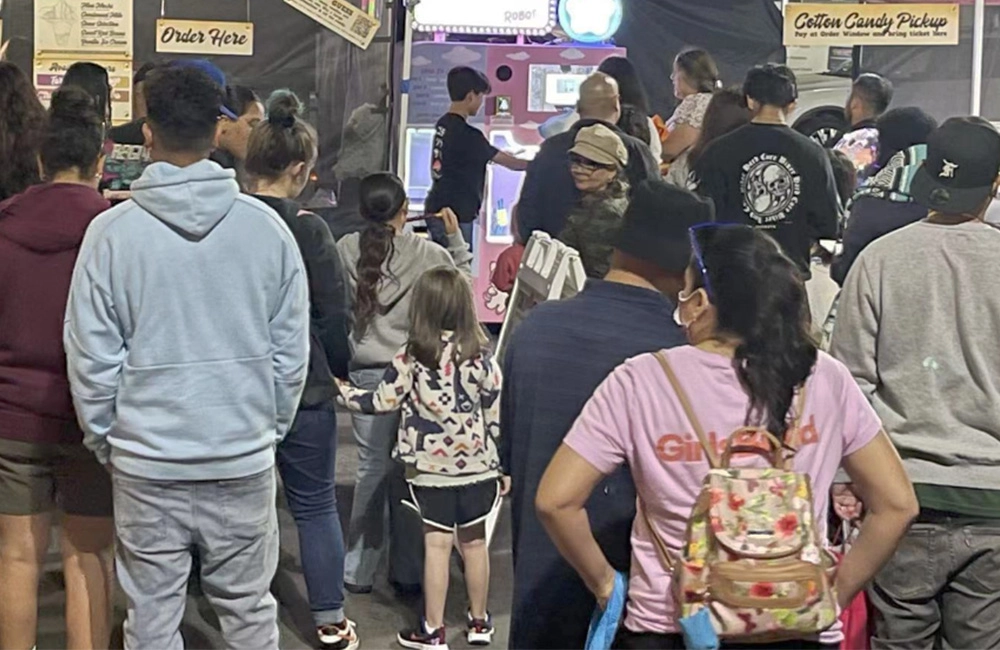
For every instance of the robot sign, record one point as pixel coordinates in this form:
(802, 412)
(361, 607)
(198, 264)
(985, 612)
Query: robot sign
(530, 17)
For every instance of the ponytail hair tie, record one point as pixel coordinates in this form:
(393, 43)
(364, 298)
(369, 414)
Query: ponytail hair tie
(282, 121)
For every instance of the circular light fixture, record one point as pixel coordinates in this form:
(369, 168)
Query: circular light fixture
(590, 21)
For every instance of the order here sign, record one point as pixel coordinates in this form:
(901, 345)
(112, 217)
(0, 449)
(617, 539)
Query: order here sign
(881, 24)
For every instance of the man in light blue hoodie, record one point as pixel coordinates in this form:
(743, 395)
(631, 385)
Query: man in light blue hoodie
(187, 335)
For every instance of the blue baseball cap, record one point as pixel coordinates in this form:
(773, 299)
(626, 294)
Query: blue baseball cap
(213, 71)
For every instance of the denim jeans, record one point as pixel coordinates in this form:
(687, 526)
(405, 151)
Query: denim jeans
(231, 524)
(378, 496)
(435, 228)
(307, 461)
(942, 587)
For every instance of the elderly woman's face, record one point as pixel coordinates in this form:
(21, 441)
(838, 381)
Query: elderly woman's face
(590, 176)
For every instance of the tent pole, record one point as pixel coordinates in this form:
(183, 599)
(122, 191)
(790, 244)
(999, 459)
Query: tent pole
(404, 94)
(978, 27)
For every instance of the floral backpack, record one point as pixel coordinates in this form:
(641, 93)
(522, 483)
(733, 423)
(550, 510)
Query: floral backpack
(752, 555)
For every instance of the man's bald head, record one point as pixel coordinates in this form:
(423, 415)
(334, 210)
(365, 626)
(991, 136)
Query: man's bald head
(599, 98)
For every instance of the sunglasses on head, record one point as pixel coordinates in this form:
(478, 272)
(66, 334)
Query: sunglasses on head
(698, 253)
(576, 160)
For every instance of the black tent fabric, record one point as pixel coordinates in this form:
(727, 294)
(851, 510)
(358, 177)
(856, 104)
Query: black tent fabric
(335, 78)
(738, 34)
(939, 78)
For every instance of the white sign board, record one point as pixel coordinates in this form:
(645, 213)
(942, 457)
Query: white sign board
(211, 38)
(103, 26)
(340, 17)
(530, 17)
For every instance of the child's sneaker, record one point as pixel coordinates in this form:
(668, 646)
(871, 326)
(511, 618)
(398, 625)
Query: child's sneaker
(480, 630)
(343, 636)
(422, 638)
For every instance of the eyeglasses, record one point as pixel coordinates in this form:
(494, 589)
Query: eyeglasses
(588, 165)
(698, 253)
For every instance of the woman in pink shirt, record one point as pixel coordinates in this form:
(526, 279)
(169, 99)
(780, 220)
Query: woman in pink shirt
(746, 316)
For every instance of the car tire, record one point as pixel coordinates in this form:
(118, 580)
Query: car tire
(822, 128)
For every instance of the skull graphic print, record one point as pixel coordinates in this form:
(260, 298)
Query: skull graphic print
(771, 188)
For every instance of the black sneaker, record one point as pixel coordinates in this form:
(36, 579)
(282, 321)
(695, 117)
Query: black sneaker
(339, 637)
(422, 639)
(480, 631)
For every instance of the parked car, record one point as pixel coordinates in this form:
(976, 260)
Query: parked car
(819, 113)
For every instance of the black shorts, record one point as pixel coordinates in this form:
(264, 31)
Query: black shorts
(450, 507)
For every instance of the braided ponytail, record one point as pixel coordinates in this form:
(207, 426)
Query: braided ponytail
(382, 197)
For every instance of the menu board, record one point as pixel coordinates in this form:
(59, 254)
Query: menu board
(50, 69)
(103, 26)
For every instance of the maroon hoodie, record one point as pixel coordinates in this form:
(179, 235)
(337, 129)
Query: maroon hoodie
(40, 234)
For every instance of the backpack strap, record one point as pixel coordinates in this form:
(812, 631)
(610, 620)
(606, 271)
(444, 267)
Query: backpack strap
(710, 452)
(661, 547)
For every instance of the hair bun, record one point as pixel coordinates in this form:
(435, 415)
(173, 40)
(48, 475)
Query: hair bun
(71, 104)
(283, 108)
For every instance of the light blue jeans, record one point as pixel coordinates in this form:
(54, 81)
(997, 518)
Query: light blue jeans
(378, 495)
(233, 524)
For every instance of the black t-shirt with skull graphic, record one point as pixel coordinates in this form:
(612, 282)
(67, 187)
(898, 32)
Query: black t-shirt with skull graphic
(775, 179)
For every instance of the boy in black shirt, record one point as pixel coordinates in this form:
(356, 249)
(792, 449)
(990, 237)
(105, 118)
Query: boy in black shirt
(461, 153)
(769, 176)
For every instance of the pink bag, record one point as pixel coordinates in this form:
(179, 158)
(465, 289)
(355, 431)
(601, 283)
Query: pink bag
(855, 619)
(857, 636)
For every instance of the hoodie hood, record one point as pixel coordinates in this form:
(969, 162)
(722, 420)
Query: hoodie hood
(50, 218)
(192, 199)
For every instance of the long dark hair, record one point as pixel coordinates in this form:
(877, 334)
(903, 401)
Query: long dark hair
(760, 299)
(630, 88)
(93, 79)
(700, 69)
(726, 112)
(22, 121)
(442, 301)
(382, 196)
(282, 140)
(74, 135)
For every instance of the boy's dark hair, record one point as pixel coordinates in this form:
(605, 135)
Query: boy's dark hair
(143, 72)
(875, 91)
(74, 135)
(844, 173)
(464, 80)
(771, 84)
(183, 108)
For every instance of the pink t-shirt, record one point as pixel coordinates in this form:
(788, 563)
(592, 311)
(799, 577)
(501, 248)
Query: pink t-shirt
(636, 418)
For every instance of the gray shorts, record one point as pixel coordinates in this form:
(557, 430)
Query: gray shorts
(41, 478)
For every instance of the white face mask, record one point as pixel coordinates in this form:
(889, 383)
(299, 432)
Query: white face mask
(681, 298)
